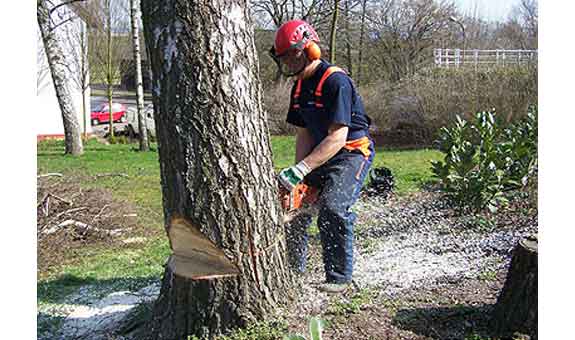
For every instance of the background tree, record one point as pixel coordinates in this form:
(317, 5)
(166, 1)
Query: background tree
(361, 42)
(110, 45)
(143, 130)
(216, 169)
(270, 14)
(332, 33)
(55, 56)
(403, 34)
(78, 66)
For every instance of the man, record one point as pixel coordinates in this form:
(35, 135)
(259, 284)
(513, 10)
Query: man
(333, 149)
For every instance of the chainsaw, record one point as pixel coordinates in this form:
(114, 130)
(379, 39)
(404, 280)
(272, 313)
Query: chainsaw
(301, 199)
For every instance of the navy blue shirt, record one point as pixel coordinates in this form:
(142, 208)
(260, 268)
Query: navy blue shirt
(341, 105)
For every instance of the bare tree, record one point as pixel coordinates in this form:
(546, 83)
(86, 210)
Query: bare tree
(361, 43)
(110, 45)
(529, 19)
(78, 66)
(273, 13)
(404, 32)
(332, 31)
(56, 62)
(228, 266)
(143, 130)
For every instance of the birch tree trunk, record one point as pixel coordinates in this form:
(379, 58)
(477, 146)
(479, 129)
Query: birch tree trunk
(143, 129)
(216, 171)
(55, 57)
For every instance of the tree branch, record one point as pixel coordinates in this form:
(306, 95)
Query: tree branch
(63, 4)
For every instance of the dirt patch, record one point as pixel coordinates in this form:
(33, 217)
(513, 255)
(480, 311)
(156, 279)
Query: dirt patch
(70, 218)
(422, 271)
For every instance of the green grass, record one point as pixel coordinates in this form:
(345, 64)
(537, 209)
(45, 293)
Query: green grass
(110, 267)
(352, 305)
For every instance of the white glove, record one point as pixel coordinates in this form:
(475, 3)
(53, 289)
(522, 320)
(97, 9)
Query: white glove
(292, 176)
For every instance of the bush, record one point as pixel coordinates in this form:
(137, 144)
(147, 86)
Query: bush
(119, 140)
(482, 160)
(413, 110)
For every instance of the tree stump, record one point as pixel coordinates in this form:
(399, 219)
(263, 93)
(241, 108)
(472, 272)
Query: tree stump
(516, 307)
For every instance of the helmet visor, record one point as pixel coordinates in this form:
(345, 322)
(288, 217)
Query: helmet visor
(291, 62)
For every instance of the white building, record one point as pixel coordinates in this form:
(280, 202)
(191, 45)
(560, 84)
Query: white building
(49, 117)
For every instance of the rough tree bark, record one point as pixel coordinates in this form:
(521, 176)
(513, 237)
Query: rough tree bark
(55, 57)
(143, 129)
(516, 308)
(216, 171)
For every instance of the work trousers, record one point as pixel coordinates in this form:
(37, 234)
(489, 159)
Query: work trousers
(340, 180)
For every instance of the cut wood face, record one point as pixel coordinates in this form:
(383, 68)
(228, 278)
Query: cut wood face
(194, 255)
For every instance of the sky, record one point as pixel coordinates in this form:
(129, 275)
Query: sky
(492, 10)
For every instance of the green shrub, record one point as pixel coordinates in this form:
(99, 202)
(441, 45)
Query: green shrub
(482, 160)
(119, 140)
(316, 327)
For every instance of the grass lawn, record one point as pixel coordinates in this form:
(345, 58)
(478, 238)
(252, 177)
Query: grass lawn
(142, 188)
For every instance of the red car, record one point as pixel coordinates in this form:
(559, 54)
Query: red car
(102, 115)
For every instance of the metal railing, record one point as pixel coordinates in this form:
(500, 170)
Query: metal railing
(447, 57)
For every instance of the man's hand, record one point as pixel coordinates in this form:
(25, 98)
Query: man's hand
(292, 176)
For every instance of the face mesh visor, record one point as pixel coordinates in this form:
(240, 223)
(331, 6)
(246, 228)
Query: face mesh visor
(291, 62)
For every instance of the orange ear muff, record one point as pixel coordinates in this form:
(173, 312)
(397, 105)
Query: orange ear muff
(312, 50)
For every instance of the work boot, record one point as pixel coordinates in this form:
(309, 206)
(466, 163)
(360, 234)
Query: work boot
(334, 288)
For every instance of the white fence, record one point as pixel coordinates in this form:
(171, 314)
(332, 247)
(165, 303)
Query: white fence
(445, 57)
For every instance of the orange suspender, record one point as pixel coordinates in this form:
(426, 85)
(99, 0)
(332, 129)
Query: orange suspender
(318, 89)
(361, 144)
(296, 94)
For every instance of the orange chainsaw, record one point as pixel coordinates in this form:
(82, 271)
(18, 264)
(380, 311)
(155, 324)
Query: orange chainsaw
(301, 199)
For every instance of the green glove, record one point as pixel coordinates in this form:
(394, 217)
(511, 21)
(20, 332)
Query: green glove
(292, 176)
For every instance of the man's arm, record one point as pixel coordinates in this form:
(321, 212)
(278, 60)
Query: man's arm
(329, 146)
(303, 143)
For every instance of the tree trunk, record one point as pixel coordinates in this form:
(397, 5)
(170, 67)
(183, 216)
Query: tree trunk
(56, 62)
(219, 188)
(84, 78)
(109, 70)
(361, 38)
(348, 45)
(332, 41)
(143, 129)
(516, 308)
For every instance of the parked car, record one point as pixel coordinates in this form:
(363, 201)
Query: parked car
(102, 114)
(132, 119)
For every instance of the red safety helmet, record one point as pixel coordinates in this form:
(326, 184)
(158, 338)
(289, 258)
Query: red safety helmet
(291, 39)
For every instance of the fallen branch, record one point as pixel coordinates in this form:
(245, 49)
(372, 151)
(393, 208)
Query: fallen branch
(60, 199)
(98, 214)
(50, 174)
(81, 227)
(42, 200)
(112, 174)
(71, 211)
